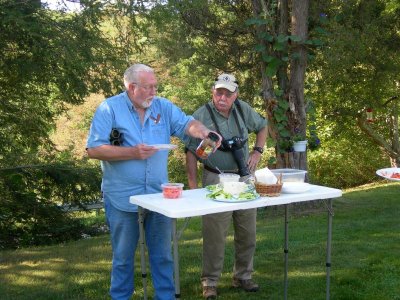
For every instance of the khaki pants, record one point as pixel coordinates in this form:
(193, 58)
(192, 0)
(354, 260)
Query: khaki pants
(214, 230)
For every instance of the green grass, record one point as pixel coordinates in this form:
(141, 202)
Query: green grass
(365, 256)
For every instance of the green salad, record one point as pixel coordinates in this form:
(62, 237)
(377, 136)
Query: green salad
(217, 193)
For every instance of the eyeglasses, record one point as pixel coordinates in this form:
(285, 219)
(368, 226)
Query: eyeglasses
(147, 87)
(220, 93)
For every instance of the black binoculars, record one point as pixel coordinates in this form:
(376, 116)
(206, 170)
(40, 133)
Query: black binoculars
(116, 137)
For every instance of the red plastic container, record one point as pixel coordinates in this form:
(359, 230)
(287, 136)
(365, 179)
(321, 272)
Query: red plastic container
(172, 190)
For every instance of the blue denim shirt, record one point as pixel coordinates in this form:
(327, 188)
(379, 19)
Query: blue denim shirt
(122, 179)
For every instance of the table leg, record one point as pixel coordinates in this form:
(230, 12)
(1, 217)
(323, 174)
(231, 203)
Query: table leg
(286, 251)
(142, 251)
(176, 260)
(328, 248)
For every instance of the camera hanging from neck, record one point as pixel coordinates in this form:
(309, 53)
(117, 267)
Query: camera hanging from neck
(234, 144)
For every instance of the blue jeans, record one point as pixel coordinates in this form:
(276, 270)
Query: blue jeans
(124, 228)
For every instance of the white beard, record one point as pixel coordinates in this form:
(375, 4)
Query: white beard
(147, 103)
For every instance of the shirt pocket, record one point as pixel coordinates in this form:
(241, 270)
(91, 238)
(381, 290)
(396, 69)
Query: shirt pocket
(160, 133)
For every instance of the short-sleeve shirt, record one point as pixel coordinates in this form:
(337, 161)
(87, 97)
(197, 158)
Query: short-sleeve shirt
(251, 122)
(125, 178)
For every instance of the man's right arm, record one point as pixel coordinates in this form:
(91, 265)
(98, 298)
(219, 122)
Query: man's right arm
(115, 153)
(191, 169)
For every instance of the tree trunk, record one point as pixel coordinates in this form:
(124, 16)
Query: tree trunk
(391, 148)
(295, 96)
(290, 78)
(267, 84)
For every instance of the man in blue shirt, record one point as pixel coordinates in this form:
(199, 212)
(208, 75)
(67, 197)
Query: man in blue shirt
(123, 130)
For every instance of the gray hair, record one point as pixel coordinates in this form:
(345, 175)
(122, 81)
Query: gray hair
(132, 73)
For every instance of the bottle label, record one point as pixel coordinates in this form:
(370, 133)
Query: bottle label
(205, 148)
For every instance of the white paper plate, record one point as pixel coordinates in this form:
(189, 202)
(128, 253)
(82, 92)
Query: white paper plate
(387, 172)
(295, 187)
(164, 146)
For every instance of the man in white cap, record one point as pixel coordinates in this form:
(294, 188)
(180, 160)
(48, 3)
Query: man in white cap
(233, 119)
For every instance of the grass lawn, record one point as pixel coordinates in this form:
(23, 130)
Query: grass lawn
(365, 256)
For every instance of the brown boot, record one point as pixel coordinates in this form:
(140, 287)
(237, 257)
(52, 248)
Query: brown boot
(246, 284)
(209, 292)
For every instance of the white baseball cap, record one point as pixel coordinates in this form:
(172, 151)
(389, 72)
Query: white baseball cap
(226, 81)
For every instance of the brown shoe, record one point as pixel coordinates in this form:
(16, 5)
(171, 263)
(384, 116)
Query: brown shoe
(246, 284)
(209, 292)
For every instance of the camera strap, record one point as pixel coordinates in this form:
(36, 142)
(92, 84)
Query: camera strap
(237, 152)
(239, 108)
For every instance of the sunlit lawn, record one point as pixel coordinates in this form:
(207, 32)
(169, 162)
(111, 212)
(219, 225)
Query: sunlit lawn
(365, 256)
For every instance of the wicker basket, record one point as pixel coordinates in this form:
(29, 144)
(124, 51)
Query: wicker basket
(270, 190)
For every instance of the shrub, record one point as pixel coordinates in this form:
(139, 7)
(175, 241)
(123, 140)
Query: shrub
(32, 196)
(344, 163)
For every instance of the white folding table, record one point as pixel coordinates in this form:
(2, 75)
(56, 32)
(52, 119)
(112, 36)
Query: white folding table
(194, 203)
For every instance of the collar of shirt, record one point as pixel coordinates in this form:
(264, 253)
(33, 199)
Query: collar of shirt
(132, 108)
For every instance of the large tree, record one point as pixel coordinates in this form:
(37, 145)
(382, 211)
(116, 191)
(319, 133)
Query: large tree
(358, 73)
(282, 32)
(265, 43)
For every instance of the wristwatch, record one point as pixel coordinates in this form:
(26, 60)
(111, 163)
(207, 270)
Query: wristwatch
(259, 149)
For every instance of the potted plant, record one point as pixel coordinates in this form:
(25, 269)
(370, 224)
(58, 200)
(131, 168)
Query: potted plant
(299, 142)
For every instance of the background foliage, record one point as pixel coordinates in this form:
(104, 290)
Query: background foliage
(32, 201)
(49, 59)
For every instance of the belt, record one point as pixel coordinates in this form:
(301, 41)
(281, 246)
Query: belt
(212, 170)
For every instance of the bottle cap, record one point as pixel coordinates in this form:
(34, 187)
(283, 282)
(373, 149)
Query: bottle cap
(213, 136)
